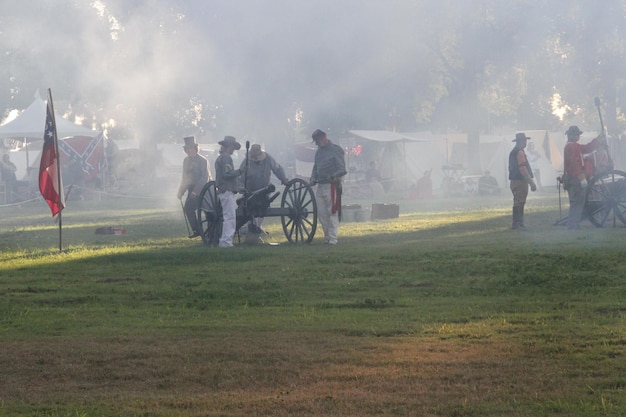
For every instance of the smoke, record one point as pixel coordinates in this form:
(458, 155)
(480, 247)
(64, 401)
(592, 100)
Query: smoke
(272, 71)
(253, 65)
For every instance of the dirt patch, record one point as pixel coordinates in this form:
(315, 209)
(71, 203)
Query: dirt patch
(278, 374)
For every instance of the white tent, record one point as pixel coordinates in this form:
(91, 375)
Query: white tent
(29, 126)
(494, 155)
(31, 122)
(433, 154)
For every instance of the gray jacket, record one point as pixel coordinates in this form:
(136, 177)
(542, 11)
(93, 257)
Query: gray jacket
(259, 173)
(195, 174)
(225, 174)
(330, 164)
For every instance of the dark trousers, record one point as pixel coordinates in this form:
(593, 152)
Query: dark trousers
(519, 188)
(577, 196)
(191, 211)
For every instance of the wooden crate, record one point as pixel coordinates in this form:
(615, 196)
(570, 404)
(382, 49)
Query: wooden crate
(382, 211)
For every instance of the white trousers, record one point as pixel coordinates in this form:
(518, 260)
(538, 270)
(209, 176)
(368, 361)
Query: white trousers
(329, 221)
(229, 211)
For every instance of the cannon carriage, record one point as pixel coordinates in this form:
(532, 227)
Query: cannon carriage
(605, 203)
(298, 211)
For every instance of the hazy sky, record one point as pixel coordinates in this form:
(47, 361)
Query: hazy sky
(258, 61)
(253, 66)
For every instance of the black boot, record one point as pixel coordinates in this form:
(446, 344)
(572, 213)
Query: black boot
(521, 217)
(515, 224)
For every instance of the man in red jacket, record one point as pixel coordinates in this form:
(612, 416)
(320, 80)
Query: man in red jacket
(576, 178)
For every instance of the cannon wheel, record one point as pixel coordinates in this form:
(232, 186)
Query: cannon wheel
(301, 222)
(605, 202)
(210, 216)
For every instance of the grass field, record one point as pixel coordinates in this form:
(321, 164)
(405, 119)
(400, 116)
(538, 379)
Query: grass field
(443, 312)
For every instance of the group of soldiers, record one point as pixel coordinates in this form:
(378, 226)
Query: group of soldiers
(254, 174)
(574, 177)
(329, 169)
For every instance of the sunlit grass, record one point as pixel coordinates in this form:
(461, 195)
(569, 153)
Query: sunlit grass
(435, 313)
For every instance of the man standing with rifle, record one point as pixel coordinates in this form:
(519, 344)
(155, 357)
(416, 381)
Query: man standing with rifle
(328, 170)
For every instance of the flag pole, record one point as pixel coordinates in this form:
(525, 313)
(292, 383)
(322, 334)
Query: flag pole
(50, 180)
(58, 166)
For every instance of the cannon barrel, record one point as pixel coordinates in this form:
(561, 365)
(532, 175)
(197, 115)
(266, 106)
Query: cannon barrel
(256, 195)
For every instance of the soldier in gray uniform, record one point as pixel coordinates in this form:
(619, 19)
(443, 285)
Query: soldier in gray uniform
(260, 167)
(328, 170)
(226, 184)
(195, 176)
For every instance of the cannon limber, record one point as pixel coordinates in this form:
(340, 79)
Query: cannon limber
(298, 211)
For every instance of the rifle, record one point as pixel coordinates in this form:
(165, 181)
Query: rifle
(597, 103)
(339, 191)
(245, 178)
(332, 178)
(608, 161)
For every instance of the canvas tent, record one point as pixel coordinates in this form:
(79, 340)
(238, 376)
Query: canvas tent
(423, 151)
(29, 127)
(402, 155)
(405, 156)
(30, 124)
(543, 153)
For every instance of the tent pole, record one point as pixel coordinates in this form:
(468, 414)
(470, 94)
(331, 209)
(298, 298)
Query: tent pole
(405, 167)
(27, 160)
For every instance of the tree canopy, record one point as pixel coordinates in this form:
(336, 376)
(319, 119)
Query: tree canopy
(162, 69)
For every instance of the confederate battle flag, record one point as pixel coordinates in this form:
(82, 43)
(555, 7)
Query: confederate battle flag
(50, 184)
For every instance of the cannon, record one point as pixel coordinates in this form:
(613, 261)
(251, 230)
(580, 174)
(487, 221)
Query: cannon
(298, 211)
(605, 195)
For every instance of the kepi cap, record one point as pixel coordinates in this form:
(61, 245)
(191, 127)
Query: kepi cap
(317, 134)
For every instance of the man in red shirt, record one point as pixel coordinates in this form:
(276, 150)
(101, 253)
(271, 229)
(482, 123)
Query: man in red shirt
(576, 177)
(521, 176)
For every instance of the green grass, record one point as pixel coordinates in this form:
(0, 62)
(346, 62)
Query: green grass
(438, 313)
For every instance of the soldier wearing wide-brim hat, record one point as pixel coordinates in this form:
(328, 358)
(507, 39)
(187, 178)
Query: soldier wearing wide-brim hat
(230, 140)
(573, 133)
(260, 166)
(256, 153)
(574, 175)
(521, 177)
(519, 137)
(195, 176)
(226, 183)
